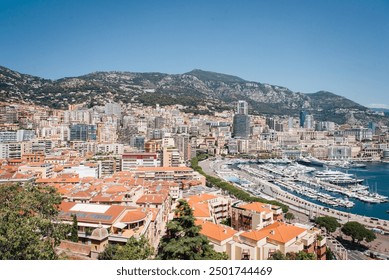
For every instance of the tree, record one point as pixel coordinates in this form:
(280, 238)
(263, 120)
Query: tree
(358, 232)
(226, 222)
(301, 255)
(276, 256)
(329, 223)
(183, 240)
(134, 249)
(289, 216)
(29, 228)
(74, 230)
(329, 254)
(304, 256)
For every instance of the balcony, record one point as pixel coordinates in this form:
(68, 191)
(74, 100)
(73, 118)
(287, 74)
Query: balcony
(277, 211)
(308, 240)
(322, 242)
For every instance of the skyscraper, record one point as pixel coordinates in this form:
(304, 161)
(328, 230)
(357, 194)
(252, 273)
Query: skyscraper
(303, 115)
(241, 122)
(309, 122)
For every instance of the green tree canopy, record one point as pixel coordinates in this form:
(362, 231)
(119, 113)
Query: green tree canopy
(226, 222)
(183, 240)
(329, 254)
(29, 229)
(358, 232)
(289, 216)
(301, 255)
(277, 256)
(74, 230)
(329, 223)
(134, 249)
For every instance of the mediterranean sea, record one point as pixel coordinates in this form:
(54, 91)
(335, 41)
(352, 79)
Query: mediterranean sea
(376, 176)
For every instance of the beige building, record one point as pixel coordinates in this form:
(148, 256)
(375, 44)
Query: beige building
(261, 244)
(254, 215)
(41, 170)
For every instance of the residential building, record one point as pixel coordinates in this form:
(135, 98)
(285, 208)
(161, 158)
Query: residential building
(254, 215)
(82, 132)
(132, 160)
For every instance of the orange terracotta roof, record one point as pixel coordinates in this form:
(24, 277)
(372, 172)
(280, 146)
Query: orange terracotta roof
(116, 189)
(87, 180)
(154, 212)
(58, 168)
(255, 235)
(151, 198)
(64, 191)
(133, 216)
(95, 188)
(66, 206)
(14, 160)
(6, 176)
(215, 232)
(200, 197)
(102, 198)
(81, 194)
(118, 198)
(9, 168)
(109, 180)
(282, 233)
(200, 210)
(22, 176)
(256, 206)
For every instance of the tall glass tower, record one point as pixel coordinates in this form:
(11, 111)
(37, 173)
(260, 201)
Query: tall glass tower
(241, 122)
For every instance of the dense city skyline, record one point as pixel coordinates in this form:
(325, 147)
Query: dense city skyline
(307, 47)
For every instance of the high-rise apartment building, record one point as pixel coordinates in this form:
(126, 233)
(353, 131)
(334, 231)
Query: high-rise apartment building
(8, 114)
(183, 144)
(241, 121)
(303, 115)
(82, 132)
(241, 126)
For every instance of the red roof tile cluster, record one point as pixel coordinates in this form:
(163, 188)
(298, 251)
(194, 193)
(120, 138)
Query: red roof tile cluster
(215, 232)
(276, 232)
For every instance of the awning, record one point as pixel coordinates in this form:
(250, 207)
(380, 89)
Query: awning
(120, 225)
(91, 225)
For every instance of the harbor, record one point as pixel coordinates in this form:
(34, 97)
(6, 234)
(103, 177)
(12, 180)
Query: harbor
(298, 186)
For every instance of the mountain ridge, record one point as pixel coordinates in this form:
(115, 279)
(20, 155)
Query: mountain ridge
(193, 89)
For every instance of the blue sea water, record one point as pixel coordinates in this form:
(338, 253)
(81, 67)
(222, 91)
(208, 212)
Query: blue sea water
(376, 176)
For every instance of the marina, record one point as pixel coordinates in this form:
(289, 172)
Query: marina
(356, 191)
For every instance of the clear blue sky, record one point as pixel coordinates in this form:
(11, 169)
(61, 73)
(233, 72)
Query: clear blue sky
(307, 46)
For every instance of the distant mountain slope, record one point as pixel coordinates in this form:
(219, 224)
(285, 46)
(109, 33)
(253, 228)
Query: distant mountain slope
(216, 91)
